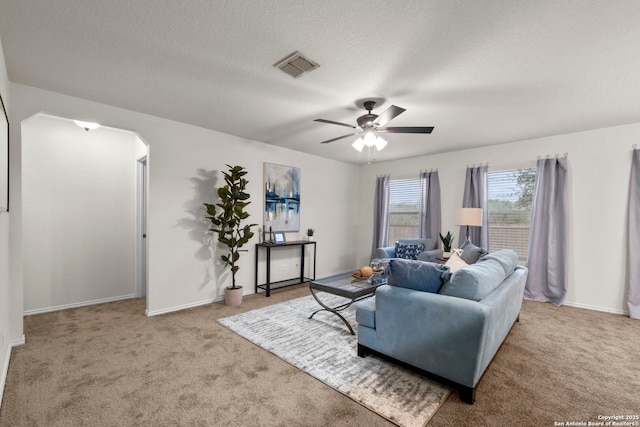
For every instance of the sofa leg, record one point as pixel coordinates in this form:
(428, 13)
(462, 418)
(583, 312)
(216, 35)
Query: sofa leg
(518, 318)
(467, 394)
(362, 350)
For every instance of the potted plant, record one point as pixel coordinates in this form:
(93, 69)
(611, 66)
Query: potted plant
(447, 242)
(310, 234)
(227, 216)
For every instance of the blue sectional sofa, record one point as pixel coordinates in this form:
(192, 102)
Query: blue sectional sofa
(441, 324)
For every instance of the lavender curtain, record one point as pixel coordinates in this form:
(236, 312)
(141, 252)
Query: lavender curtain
(475, 196)
(430, 211)
(380, 214)
(549, 234)
(634, 238)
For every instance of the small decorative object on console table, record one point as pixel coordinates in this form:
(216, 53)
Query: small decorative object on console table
(279, 238)
(310, 234)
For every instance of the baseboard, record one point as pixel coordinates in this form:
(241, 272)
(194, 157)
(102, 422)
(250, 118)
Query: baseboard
(16, 343)
(182, 307)
(595, 308)
(5, 368)
(75, 305)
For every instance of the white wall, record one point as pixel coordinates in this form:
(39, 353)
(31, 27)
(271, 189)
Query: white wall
(10, 320)
(184, 165)
(599, 163)
(78, 214)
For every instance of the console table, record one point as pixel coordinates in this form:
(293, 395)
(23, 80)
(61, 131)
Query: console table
(289, 282)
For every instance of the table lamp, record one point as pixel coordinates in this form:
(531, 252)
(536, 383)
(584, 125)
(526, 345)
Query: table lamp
(469, 217)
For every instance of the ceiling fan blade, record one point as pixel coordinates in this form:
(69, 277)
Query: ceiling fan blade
(388, 114)
(331, 122)
(340, 137)
(407, 129)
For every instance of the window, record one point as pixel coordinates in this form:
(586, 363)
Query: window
(510, 196)
(404, 207)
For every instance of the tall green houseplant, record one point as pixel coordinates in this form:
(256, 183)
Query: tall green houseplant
(227, 216)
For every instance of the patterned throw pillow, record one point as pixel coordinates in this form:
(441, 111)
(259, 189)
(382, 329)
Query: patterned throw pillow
(408, 250)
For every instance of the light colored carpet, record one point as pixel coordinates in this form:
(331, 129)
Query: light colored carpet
(324, 348)
(110, 365)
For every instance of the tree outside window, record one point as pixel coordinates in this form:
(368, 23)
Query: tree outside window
(510, 198)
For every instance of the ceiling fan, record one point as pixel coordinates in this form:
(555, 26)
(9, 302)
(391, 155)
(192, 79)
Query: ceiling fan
(371, 124)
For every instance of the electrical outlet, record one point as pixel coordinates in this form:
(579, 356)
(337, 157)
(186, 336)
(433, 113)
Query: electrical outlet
(1, 338)
(284, 267)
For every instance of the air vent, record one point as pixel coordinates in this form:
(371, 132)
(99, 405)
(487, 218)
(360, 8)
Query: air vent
(296, 65)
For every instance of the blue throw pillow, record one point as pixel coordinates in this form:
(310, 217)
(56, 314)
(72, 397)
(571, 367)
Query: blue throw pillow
(408, 250)
(418, 275)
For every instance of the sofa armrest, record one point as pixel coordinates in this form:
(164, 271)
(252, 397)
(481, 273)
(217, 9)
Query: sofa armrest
(387, 252)
(430, 255)
(451, 331)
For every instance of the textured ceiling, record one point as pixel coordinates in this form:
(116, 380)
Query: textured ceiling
(481, 72)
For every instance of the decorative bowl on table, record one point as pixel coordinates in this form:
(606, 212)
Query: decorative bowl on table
(363, 273)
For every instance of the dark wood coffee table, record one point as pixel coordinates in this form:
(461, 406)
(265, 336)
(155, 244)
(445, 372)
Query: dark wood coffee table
(345, 286)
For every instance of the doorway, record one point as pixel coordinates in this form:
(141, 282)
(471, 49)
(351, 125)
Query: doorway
(141, 228)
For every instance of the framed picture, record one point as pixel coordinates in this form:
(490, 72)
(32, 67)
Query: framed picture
(281, 197)
(4, 158)
(278, 237)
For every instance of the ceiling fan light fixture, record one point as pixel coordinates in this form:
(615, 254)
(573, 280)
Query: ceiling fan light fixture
(380, 143)
(358, 144)
(369, 138)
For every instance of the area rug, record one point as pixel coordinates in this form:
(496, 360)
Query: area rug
(324, 348)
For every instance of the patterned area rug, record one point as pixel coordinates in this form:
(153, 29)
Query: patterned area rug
(324, 348)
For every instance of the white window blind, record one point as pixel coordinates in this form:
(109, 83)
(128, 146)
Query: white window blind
(510, 196)
(404, 206)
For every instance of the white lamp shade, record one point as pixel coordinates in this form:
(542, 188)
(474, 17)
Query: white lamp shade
(358, 144)
(469, 216)
(380, 143)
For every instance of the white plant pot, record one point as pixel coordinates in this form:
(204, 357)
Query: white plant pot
(233, 297)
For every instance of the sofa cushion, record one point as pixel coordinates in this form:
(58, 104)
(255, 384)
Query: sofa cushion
(418, 275)
(475, 281)
(366, 312)
(472, 253)
(507, 258)
(408, 250)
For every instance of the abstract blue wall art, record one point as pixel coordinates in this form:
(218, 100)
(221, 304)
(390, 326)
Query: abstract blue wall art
(281, 197)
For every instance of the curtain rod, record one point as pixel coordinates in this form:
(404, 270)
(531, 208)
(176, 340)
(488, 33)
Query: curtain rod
(430, 170)
(548, 156)
(478, 165)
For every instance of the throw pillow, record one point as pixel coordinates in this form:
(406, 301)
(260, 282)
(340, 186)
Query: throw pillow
(455, 263)
(418, 275)
(408, 250)
(472, 253)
